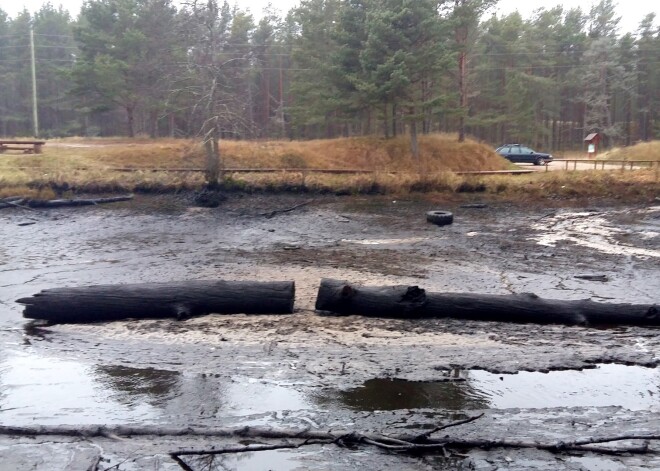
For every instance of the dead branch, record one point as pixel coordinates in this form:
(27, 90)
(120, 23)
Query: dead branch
(181, 463)
(271, 214)
(402, 444)
(249, 448)
(423, 437)
(29, 205)
(77, 202)
(15, 204)
(592, 277)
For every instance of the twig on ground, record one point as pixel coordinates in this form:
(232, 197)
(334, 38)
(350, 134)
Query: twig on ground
(271, 214)
(423, 437)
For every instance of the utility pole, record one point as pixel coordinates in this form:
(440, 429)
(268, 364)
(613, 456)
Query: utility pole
(35, 115)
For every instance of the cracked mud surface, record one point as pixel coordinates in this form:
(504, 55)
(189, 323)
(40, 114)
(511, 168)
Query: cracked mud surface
(294, 370)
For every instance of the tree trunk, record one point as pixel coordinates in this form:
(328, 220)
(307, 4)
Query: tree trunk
(153, 124)
(462, 93)
(628, 120)
(130, 121)
(159, 300)
(340, 297)
(213, 159)
(394, 120)
(414, 145)
(386, 118)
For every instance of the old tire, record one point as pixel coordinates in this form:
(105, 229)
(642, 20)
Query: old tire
(440, 218)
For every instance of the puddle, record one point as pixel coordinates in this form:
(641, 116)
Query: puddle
(247, 398)
(280, 460)
(45, 390)
(409, 240)
(590, 230)
(395, 394)
(131, 385)
(596, 463)
(38, 390)
(631, 387)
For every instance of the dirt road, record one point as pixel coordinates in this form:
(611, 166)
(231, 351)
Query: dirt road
(305, 370)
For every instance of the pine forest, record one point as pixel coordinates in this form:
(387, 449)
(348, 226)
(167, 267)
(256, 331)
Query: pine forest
(331, 68)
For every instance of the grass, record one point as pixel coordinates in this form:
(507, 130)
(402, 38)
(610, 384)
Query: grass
(77, 165)
(439, 152)
(642, 151)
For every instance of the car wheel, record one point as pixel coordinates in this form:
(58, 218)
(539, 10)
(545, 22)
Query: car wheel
(440, 218)
(539, 161)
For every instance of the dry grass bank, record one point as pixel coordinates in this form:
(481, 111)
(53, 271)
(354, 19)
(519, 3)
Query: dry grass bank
(86, 166)
(641, 151)
(439, 152)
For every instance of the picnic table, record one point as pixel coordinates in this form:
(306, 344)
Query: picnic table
(27, 147)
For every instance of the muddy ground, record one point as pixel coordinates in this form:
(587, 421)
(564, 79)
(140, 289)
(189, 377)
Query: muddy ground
(306, 370)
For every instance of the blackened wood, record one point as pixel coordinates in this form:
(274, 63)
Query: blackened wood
(340, 297)
(77, 202)
(160, 300)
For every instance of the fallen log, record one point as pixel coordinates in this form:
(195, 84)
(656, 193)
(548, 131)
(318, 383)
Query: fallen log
(77, 202)
(343, 298)
(25, 203)
(18, 203)
(159, 300)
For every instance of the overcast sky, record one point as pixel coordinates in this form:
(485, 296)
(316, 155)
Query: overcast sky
(631, 11)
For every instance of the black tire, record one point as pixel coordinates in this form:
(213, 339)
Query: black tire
(539, 161)
(440, 218)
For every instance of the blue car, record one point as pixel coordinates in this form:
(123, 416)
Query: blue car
(521, 154)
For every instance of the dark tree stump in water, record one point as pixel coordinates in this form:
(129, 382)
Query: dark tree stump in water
(160, 300)
(340, 297)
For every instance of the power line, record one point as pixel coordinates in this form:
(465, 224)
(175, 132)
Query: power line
(549, 68)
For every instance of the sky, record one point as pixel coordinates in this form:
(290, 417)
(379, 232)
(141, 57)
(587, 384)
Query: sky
(631, 11)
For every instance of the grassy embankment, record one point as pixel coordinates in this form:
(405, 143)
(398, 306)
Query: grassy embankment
(89, 166)
(641, 151)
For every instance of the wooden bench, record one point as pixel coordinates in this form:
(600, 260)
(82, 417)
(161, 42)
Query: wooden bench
(27, 147)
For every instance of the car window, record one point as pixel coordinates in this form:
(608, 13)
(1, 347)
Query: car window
(515, 150)
(526, 150)
(503, 150)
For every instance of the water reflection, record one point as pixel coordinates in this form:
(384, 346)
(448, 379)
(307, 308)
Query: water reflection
(44, 390)
(280, 460)
(48, 390)
(630, 387)
(394, 394)
(129, 385)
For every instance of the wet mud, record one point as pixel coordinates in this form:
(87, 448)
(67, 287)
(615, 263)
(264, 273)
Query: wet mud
(307, 370)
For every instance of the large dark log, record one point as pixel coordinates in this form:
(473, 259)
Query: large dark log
(160, 300)
(340, 297)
